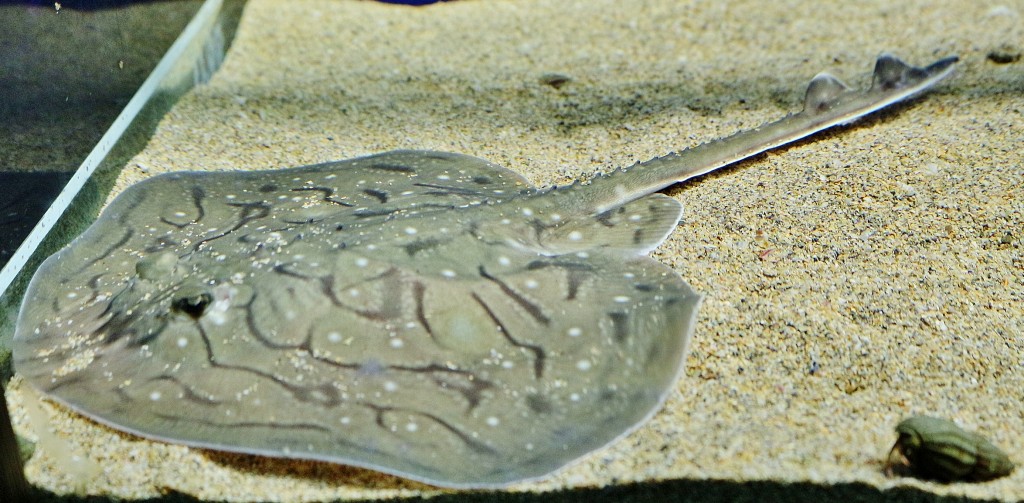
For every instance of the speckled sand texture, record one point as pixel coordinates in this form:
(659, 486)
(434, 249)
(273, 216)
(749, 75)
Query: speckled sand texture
(888, 255)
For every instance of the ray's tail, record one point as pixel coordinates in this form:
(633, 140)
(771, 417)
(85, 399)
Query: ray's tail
(828, 102)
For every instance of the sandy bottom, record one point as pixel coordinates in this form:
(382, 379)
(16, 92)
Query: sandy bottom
(886, 256)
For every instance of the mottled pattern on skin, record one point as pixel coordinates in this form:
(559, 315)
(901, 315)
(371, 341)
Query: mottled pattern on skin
(426, 314)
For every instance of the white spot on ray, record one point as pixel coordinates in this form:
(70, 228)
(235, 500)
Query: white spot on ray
(362, 262)
(575, 236)
(333, 337)
(621, 299)
(410, 230)
(448, 273)
(503, 260)
(182, 342)
(574, 332)
(493, 421)
(390, 386)
(531, 284)
(583, 364)
(154, 396)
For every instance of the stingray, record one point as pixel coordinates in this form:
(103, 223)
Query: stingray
(425, 314)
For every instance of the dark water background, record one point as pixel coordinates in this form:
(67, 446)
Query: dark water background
(65, 74)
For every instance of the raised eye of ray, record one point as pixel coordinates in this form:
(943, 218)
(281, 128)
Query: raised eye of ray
(193, 306)
(425, 314)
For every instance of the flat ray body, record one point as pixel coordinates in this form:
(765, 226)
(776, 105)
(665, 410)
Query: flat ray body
(425, 314)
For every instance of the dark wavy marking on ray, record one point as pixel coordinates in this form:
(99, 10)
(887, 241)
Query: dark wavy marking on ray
(418, 291)
(466, 438)
(620, 326)
(395, 168)
(538, 351)
(382, 212)
(444, 190)
(422, 245)
(326, 282)
(379, 195)
(324, 394)
(532, 308)
(188, 393)
(326, 195)
(250, 212)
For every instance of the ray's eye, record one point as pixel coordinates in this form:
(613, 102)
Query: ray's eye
(193, 305)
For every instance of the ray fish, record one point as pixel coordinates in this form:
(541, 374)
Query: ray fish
(425, 314)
